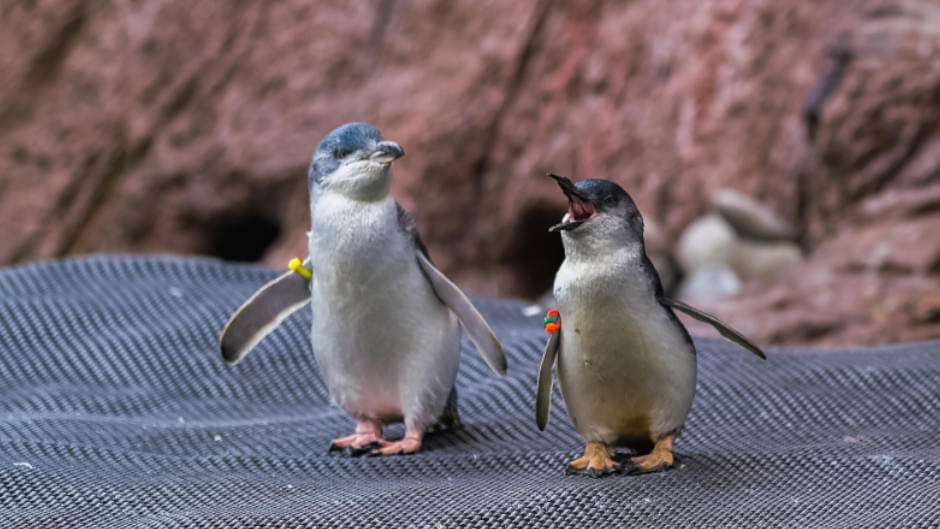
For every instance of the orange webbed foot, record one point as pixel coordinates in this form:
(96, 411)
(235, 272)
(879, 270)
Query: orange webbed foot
(659, 459)
(596, 462)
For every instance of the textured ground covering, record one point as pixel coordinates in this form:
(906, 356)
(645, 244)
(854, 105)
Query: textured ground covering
(116, 410)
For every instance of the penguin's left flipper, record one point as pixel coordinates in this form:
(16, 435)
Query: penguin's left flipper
(723, 328)
(543, 389)
(262, 313)
(479, 331)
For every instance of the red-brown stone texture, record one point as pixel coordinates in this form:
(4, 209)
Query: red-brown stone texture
(186, 127)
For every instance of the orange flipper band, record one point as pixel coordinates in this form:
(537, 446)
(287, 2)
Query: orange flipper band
(552, 321)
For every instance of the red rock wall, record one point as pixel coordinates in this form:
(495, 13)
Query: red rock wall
(184, 127)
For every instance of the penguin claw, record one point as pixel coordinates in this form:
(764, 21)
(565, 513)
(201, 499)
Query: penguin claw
(594, 472)
(602, 472)
(362, 450)
(353, 451)
(377, 452)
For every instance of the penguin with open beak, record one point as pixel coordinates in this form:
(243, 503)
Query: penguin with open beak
(625, 363)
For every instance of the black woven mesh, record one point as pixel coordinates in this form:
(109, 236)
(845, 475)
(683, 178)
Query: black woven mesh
(118, 411)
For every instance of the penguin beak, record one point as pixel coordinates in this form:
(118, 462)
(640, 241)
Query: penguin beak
(580, 208)
(387, 152)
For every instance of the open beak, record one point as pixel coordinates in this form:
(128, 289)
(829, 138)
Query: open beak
(387, 152)
(580, 208)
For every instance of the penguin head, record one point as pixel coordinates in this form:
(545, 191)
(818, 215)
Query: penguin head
(354, 161)
(600, 213)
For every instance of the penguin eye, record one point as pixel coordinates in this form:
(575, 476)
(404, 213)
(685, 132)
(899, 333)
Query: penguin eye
(610, 200)
(340, 153)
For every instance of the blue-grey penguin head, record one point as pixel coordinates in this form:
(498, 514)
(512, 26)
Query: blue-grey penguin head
(353, 160)
(600, 213)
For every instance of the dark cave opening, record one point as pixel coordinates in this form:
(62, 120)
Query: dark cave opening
(535, 254)
(244, 238)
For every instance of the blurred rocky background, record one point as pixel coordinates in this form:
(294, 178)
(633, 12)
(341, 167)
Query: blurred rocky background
(786, 155)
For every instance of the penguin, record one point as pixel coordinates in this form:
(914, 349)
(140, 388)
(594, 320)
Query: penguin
(385, 330)
(625, 363)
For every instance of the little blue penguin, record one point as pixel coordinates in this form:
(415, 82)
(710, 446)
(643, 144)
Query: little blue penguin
(385, 321)
(625, 363)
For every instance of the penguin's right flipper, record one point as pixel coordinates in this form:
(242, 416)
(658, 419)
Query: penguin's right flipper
(543, 390)
(723, 328)
(479, 331)
(262, 313)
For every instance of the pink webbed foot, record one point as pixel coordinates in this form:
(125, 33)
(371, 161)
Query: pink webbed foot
(408, 444)
(368, 436)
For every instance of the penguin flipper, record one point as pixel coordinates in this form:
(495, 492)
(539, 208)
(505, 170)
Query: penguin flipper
(723, 328)
(479, 331)
(543, 390)
(262, 313)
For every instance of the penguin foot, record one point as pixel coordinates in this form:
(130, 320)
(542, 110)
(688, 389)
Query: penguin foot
(596, 462)
(367, 437)
(409, 444)
(659, 459)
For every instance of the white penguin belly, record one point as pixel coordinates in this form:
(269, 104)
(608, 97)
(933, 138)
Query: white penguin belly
(385, 345)
(625, 370)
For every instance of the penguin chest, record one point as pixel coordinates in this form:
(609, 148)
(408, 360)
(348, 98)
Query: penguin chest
(625, 369)
(377, 324)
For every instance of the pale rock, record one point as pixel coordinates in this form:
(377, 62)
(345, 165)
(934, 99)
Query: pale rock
(709, 282)
(751, 218)
(763, 261)
(706, 243)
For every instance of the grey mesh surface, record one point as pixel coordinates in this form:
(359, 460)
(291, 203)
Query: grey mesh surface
(117, 411)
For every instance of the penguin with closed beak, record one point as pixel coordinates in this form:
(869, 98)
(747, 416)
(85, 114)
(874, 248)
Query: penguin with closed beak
(385, 321)
(625, 363)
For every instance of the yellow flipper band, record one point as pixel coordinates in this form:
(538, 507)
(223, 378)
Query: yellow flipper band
(297, 265)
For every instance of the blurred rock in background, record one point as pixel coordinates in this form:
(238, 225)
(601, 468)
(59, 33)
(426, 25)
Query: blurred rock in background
(743, 240)
(184, 127)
